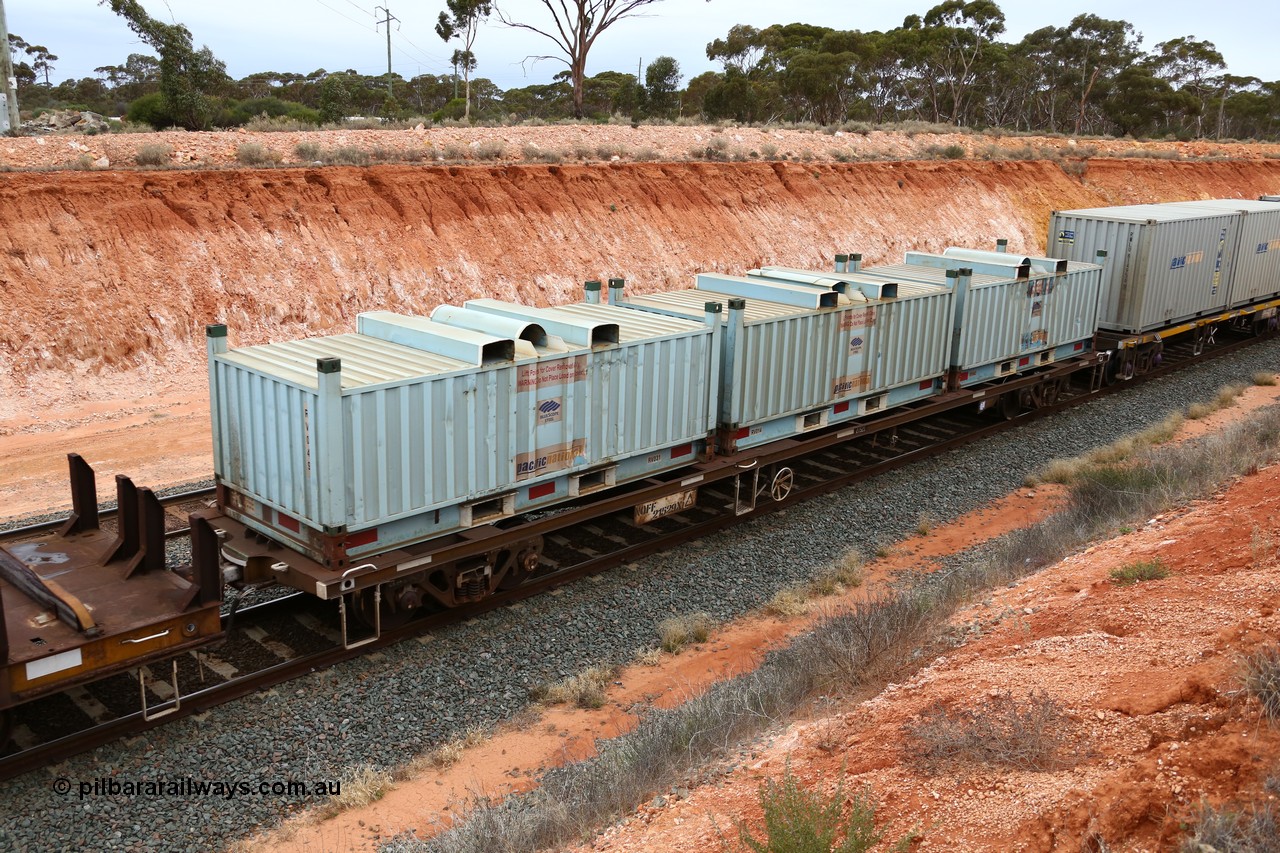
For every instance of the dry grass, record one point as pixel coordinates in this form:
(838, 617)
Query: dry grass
(366, 785)
(444, 755)
(787, 602)
(1255, 829)
(1264, 377)
(587, 689)
(255, 154)
(679, 631)
(648, 657)
(1261, 676)
(998, 731)
(1067, 471)
(1226, 397)
(153, 155)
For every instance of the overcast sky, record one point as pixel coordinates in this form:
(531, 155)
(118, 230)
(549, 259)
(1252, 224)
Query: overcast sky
(304, 35)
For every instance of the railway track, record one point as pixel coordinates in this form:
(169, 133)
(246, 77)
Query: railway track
(176, 505)
(275, 641)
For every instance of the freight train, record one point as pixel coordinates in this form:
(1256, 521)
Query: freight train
(420, 461)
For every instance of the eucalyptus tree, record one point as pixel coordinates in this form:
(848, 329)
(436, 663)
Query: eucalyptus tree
(461, 22)
(188, 77)
(575, 26)
(1193, 67)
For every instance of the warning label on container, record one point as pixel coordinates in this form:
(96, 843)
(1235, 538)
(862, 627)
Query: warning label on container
(850, 384)
(857, 318)
(556, 457)
(558, 372)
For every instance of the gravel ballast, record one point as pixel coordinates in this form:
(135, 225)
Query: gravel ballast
(387, 707)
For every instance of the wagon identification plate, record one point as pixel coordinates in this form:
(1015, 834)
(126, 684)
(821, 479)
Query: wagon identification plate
(662, 507)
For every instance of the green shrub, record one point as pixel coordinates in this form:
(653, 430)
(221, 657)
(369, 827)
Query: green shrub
(151, 111)
(800, 821)
(1143, 570)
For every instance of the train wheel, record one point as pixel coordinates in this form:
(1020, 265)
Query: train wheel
(782, 483)
(521, 562)
(396, 607)
(1051, 391)
(1010, 405)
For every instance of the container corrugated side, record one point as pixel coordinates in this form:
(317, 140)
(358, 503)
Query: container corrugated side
(1008, 317)
(417, 432)
(1163, 265)
(788, 360)
(1255, 272)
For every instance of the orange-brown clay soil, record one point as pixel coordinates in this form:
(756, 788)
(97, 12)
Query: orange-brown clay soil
(110, 277)
(1146, 673)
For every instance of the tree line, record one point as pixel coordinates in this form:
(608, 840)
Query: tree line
(947, 66)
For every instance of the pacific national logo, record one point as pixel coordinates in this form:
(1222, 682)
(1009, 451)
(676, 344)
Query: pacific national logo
(549, 411)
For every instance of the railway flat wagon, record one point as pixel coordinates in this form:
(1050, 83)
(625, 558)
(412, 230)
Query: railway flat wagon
(1166, 263)
(1014, 313)
(358, 444)
(1256, 266)
(801, 354)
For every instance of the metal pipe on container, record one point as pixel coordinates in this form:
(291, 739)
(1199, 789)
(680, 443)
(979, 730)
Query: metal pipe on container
(332, 510)
(615, 291)
(842, 263)
(1002, 245)
(215, 344)
(592, 289)
(855, 263)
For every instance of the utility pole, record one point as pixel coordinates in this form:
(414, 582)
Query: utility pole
(390, 17)
(8, 85)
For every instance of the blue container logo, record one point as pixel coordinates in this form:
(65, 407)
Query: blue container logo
(549, 411)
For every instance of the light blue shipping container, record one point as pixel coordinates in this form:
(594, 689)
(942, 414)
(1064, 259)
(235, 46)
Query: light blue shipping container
(1255, 270)
(1012, 311)
(799, 355)
(418, 426)
(1165, 263)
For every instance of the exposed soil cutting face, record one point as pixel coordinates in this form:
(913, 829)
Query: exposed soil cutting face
(1146, 674)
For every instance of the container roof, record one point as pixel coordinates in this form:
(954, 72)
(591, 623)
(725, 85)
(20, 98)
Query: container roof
(365, 360)
(1172, 212)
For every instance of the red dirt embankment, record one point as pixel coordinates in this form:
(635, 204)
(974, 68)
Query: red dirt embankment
(110, 277)
(105, 272)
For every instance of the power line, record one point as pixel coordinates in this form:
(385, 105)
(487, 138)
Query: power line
(348, 17)
(361, 8)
